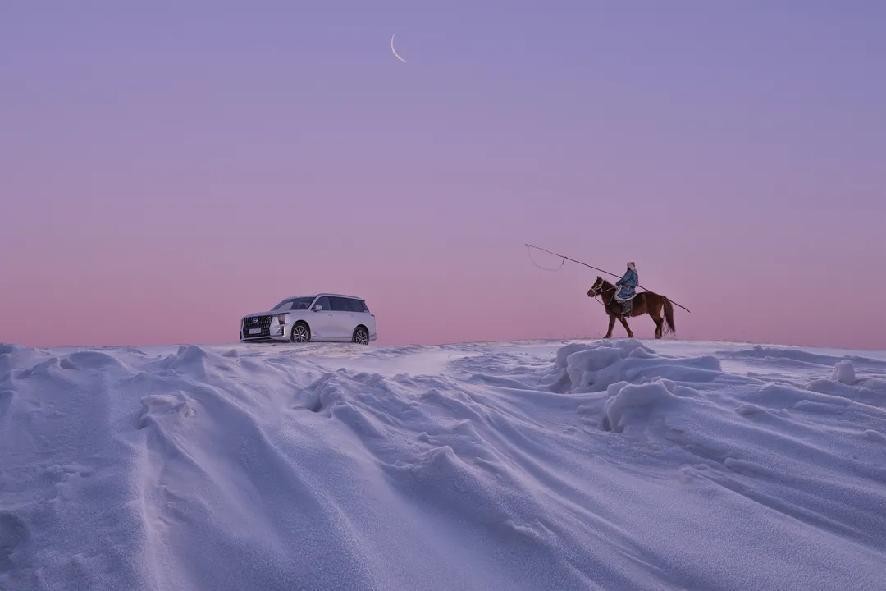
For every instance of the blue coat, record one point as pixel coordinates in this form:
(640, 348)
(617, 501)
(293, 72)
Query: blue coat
(628, 284)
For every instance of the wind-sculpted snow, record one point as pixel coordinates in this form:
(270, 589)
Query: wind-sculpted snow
(608, 465)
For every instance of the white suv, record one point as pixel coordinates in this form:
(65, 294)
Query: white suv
(321, 317)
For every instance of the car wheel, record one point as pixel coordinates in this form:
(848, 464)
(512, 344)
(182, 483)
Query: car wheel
(300, 333)
(361, 335)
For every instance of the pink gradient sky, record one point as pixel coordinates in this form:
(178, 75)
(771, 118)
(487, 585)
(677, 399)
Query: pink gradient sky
(164, 169)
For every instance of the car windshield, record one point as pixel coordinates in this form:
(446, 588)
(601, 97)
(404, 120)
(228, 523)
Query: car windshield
(294, 304)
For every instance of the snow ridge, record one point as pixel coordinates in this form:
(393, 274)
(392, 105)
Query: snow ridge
(611, 464)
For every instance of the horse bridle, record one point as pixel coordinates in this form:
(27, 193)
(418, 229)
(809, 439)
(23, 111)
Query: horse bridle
(600, 292)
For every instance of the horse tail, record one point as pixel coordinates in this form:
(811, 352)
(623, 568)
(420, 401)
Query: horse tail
(669, 316)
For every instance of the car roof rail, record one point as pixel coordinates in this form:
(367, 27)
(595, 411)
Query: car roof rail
(339, 295)
(327, 294)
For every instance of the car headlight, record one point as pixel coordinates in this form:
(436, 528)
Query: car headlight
(282, 318)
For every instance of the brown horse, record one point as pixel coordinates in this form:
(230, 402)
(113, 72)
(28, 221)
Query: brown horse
(645, 302)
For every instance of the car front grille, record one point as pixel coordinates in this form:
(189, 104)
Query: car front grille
(261, 322)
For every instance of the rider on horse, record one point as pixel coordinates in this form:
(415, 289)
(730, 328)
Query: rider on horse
(627, 284)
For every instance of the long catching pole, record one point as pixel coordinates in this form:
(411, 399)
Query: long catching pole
(590, 266)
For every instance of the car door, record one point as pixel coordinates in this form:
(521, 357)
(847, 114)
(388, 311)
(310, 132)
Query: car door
(343, 320)
(321, 320)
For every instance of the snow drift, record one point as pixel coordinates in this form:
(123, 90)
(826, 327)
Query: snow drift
(488, 466)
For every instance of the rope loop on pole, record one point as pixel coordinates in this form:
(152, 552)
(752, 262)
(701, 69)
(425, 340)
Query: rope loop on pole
(533, 261)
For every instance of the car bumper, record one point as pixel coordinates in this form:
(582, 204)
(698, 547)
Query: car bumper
(274, 332)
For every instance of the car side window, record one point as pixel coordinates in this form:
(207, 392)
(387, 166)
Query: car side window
(324, 303)
(361, 306)
(301, 303)
(340, 304)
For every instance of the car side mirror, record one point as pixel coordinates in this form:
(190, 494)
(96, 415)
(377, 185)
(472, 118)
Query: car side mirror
(317, 307)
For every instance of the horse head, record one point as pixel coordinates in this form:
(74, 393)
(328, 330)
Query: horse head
(597, 287)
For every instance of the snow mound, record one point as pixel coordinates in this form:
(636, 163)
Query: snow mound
(630, 400)
(596, 367)
(6, 349)
(844, 372)
(779, 354)
(589, 465)
(798, 359)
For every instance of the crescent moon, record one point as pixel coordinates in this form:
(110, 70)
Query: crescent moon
(394, 51)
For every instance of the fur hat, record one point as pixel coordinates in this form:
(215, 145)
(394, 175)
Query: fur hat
(632, 265)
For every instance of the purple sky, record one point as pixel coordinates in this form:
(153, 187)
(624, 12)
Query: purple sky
(168, 167)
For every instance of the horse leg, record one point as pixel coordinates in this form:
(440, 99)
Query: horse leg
(627, 328)
(658, 324)
(611, 324)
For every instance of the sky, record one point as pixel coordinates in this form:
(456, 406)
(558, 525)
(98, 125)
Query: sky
(167, 167)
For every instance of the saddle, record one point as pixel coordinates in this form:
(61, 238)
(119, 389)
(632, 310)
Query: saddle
(626, 305)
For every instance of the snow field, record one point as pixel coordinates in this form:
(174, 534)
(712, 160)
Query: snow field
(611, 464)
